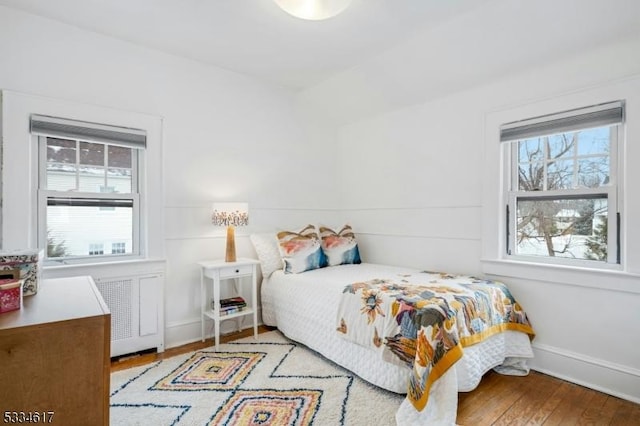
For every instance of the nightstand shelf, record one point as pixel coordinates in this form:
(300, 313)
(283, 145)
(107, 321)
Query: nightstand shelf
(211, 314)
(219, 271)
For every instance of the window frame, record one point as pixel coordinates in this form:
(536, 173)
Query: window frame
(43, 195)
(612, 191)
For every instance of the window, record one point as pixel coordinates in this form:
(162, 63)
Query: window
(118, 248)
(96, 249)
(562, 186)
(88, 188)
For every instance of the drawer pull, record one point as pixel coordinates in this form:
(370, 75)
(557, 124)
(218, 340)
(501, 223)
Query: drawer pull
(236, 271)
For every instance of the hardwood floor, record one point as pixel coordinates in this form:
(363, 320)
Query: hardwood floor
(125, 362)
(536, 399)
(539, 399)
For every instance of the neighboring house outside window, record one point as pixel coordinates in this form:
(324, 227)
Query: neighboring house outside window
(88, 193)
(107, 190)
(562, 186)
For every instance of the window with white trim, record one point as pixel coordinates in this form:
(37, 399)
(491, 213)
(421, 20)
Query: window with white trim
(562, 186)
(118, 248)
(96, 249)
(88, 192)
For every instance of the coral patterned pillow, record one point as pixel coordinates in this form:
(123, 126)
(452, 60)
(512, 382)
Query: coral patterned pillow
(301, 251)
(340, 247)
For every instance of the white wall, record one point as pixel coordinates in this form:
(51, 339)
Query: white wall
(421, 187)
(225, 137)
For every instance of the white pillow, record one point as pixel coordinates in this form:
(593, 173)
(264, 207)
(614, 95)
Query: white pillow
(266, 246)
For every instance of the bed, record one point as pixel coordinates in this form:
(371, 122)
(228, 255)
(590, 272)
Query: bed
(315, 306)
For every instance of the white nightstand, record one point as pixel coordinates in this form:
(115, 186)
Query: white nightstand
(218, 271)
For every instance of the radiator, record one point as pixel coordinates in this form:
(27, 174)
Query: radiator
(136, 305)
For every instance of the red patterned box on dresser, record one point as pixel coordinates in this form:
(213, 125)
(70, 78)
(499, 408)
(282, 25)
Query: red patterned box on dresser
(29, 264)
(10, 295)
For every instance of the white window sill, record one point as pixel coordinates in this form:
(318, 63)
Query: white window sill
(129, 266)
(612, 280)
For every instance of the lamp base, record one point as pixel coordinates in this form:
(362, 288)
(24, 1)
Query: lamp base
(230, 255)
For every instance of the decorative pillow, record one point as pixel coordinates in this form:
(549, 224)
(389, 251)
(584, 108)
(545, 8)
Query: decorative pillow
(301, 251)
(340, 247)
(266, 246)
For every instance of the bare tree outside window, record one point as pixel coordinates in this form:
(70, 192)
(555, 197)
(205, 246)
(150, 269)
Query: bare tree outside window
(562, 223)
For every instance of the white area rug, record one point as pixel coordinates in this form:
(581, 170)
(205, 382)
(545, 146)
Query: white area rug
(270, 381)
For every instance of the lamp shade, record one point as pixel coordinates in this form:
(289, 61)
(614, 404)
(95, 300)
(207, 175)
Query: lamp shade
(230, 214)
(314, 10)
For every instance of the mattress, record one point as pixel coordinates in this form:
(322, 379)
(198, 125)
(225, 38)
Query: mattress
(304, 307)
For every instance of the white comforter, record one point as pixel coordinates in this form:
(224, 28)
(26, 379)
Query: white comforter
(304, 307)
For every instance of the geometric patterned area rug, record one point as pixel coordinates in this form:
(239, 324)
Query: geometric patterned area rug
(271, 381)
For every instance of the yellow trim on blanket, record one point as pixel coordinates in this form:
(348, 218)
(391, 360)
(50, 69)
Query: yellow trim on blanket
(455, 354)
(495, 329)
(437, 371)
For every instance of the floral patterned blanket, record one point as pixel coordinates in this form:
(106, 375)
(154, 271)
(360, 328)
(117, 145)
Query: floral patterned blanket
(425, 320)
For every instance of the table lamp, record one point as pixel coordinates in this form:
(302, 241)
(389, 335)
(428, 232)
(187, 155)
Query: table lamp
(230, 215)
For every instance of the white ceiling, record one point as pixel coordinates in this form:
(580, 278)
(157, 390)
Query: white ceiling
(256, 38)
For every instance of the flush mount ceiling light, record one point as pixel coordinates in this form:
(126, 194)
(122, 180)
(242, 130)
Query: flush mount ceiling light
(314, 10)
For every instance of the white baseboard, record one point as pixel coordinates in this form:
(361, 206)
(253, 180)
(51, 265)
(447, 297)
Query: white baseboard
(598, 374)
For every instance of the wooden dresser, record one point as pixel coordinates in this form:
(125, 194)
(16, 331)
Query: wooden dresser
(54, 356)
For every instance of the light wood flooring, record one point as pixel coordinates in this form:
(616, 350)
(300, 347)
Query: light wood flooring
(536, 399)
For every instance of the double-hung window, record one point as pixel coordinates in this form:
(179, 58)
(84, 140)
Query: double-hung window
(88, 196)
(562, 186)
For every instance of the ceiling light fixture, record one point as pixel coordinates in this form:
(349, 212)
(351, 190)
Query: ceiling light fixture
(314, 10)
